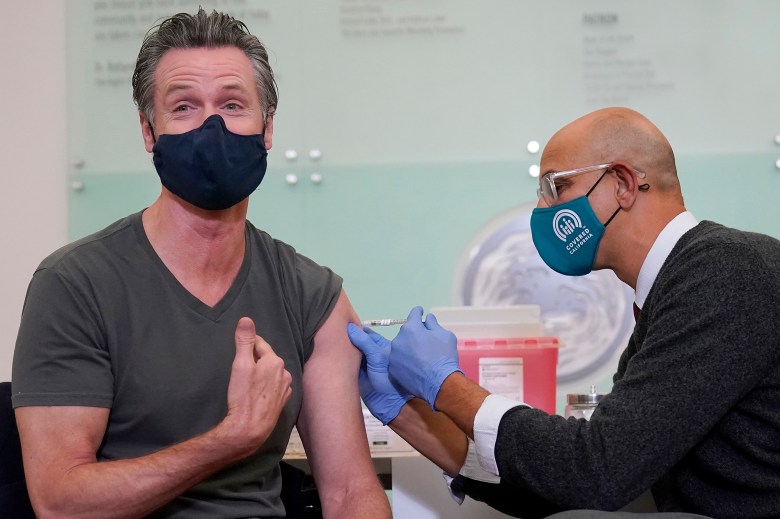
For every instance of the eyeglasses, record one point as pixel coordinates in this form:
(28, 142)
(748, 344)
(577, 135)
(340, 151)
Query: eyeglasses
(549, 191)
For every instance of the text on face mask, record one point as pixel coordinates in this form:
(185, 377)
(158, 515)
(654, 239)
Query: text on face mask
(579, 241)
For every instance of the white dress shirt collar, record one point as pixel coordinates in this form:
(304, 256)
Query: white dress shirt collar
(660, 250)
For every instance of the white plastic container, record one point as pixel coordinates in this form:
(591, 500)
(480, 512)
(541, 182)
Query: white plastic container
(491, 322)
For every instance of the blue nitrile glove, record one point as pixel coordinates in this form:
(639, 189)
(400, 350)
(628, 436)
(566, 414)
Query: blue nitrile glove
(422, 355)
(381, 397)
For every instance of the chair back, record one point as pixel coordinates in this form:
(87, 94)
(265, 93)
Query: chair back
(299, 495)
(14, 500)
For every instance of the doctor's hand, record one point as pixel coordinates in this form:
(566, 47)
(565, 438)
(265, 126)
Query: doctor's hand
(380, 395)
(422, 355)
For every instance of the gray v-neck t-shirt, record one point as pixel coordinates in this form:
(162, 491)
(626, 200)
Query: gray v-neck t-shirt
(106, 324)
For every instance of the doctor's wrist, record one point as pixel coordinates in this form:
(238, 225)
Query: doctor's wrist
(459, 398)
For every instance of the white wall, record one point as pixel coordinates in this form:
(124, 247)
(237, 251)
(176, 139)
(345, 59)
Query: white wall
(33, 156)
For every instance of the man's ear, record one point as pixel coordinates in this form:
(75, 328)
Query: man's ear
(628, 184)
(146, 132)
(268, 132)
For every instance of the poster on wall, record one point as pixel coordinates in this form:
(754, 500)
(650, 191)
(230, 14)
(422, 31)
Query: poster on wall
(447, 80)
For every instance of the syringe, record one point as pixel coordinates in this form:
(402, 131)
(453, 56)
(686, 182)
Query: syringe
(384, 322)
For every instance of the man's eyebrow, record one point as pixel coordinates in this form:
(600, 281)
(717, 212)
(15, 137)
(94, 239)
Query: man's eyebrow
(233, 86)
(176, 87)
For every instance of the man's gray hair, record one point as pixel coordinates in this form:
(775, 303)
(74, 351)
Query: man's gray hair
(186, 31)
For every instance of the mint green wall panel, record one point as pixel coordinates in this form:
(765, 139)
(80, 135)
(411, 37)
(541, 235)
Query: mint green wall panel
(396, 233)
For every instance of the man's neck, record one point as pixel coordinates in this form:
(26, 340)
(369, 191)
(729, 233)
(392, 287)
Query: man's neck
(659, 252)
(627, 255)
(202, 249)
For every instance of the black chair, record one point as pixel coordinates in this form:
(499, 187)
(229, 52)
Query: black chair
(299, 495)
(14, 500)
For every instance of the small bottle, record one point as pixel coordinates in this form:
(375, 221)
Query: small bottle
(582, 405)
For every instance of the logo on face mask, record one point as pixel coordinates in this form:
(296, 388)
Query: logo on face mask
(565, 224)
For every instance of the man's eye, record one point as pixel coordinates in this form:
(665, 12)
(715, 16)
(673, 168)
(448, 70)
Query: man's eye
(231, 106)
(181, 108)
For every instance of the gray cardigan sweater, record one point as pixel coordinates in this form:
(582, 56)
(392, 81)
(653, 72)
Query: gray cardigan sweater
(694, 412)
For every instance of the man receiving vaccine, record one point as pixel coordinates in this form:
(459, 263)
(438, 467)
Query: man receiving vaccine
(162, 362)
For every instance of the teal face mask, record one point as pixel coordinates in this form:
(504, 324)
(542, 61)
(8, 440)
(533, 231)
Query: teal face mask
(567, 235)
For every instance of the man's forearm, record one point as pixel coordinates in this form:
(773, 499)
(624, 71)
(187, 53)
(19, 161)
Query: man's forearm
(134, 487)
(432, 434)
(460, 399)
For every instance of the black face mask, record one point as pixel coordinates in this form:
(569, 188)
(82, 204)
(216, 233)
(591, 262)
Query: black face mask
(210, 167)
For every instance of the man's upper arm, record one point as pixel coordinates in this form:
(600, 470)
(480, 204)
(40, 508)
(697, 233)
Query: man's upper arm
(54, 440)
(331, 421)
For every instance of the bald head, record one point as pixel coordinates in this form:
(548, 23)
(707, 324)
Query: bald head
(612, 134)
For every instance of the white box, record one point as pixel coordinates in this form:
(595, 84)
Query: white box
(382, 441)
(491, 322)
